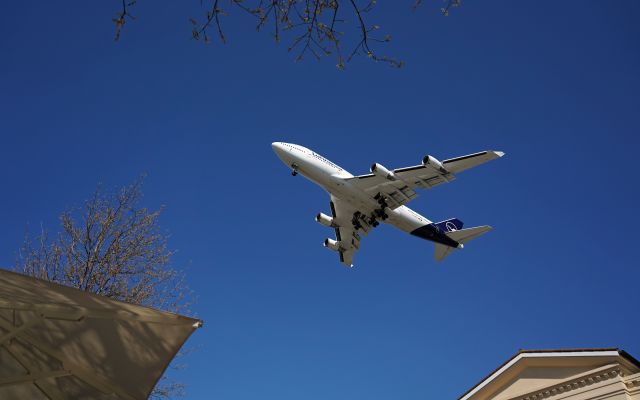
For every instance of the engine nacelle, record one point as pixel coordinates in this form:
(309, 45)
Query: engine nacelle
(381, 171)
(433, 163)
(326, 220)
(332, 244)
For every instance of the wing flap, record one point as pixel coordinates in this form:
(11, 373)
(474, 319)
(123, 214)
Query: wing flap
(402, 190)
(346, 233)
(346, 257)
(460, 164)
(396, 193)
(420, 176)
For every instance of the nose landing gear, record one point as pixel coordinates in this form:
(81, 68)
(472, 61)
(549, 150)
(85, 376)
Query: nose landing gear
(294, 170)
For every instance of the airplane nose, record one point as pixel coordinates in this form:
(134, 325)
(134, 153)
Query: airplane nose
(279, 149)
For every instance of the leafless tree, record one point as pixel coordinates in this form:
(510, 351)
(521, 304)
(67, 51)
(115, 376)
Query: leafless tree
(311, 25)
(112, 247)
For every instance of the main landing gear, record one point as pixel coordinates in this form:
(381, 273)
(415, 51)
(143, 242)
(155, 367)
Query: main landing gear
(381, 214)
(383, 204)
(360, 219)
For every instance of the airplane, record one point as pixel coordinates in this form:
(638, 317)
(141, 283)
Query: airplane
(359, 203)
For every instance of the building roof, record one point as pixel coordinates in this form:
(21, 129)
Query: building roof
(578, 352)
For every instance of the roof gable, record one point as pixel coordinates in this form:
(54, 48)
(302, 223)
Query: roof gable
(533, 370)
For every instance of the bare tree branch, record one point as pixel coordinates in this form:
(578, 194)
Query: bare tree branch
(311, 24)
(112, 247)
(121, 17)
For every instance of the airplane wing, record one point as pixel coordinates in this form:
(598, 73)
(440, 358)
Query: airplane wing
(399, 188)
(347, 235)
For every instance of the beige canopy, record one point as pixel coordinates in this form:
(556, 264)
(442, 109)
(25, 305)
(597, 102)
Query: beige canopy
(57, 342)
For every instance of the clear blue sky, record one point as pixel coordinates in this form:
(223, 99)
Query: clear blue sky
(554, 84)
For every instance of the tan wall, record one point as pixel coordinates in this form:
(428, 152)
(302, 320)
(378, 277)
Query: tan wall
(532, 379)
(611, 389)
(632, 383)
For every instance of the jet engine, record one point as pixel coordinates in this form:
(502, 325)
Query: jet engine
(433, 163)
(381, 171)
(326, 220)
(332, 244)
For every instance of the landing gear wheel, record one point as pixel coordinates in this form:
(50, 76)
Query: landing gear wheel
(380, 213)
(294, 173)
(381, 200)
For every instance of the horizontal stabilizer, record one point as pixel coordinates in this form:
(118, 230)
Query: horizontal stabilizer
(442, 251)
(464, 235)
(461, 236)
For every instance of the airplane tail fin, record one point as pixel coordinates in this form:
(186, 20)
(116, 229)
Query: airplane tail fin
(461, 236)
(448, 225)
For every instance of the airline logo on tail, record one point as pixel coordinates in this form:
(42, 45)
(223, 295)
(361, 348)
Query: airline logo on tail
(449, 225)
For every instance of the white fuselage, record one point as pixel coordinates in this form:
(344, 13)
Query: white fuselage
(335, 180)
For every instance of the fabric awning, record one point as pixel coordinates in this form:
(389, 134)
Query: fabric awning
(58, 342)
